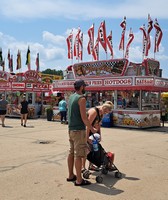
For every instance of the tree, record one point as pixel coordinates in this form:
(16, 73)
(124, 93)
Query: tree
(53, 72)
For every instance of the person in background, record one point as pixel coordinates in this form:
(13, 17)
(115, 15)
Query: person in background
(24, 111)
(30, 100)
(163, 115)
(39, 107)
(95, 116)
(3, 109)
(124, 103)
(63, 110)
(77, 122)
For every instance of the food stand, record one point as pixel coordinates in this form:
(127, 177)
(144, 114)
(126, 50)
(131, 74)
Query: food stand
(134, 88)
(29, 84)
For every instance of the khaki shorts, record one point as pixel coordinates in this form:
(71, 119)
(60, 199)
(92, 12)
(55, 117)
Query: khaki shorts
(78, 143)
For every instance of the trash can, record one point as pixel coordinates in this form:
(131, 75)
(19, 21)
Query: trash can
(107, 120)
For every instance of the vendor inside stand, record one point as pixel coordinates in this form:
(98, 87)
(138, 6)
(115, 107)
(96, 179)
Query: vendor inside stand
(128, 100)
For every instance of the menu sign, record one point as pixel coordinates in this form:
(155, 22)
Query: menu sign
(95, 69)
(4, 76)
(18, 85)
(128, 81)
(32, 76)
(146, 81)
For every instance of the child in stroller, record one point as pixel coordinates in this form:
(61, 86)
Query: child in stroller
(102, 159)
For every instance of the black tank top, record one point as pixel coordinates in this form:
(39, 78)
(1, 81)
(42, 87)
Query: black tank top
(96, 120)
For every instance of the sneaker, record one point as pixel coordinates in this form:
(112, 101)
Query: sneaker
(3, 125)
(21, 124)
(24, 125)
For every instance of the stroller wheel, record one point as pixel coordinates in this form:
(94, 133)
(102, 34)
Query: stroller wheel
(99, 179)
(86, 174)
(104, 171)
(118, 174)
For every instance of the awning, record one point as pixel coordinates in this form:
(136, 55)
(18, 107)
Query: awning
(164, 94)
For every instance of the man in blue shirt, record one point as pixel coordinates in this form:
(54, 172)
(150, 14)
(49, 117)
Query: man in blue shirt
(63, 110)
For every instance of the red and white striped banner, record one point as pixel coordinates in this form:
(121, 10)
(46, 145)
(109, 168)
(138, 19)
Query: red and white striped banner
(69, 44)
(96, 51)
(150, 26)
(110, 44)
(102, 35)
(143, 29)
(158, 36)
(131, 37)
(91, 39)
(122, 41)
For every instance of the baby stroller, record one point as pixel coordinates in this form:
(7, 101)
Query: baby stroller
(104, 161)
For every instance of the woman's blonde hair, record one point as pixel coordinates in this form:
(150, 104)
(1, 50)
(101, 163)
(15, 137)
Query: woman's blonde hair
(109, 105)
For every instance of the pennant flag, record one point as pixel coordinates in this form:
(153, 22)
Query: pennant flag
(150, 26)
(76, 44)
(1, 59)
(69, 44)
(18, 61)
(3, 65)
(158, 36)
(91, 39)
(9, 59)
(28, 58)
(37, 63)
(142, 28)
(96, 50)
(122, 41)
(11, 64)
(130, 39)
(110, 44)
(81, 46)
(102, 35)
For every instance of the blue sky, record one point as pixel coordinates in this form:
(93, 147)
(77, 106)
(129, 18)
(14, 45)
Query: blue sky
(44, 25)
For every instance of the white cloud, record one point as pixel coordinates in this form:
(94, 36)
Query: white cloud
(49, 53)
(83, 9)
(55, 39)
(53, 48)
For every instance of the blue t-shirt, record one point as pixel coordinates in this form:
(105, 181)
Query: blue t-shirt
(62, 105)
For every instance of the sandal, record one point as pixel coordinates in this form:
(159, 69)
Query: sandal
(71, 179)
(83, 183)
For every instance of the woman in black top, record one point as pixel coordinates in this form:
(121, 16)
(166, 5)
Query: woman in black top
(24, 111)
(95, 115)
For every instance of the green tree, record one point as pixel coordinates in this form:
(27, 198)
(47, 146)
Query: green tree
(53, 72)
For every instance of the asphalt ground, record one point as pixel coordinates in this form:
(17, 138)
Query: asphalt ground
(33, 163)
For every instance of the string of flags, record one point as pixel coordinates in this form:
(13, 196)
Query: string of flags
(76, 49)
(75, 44)
(18, 61)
